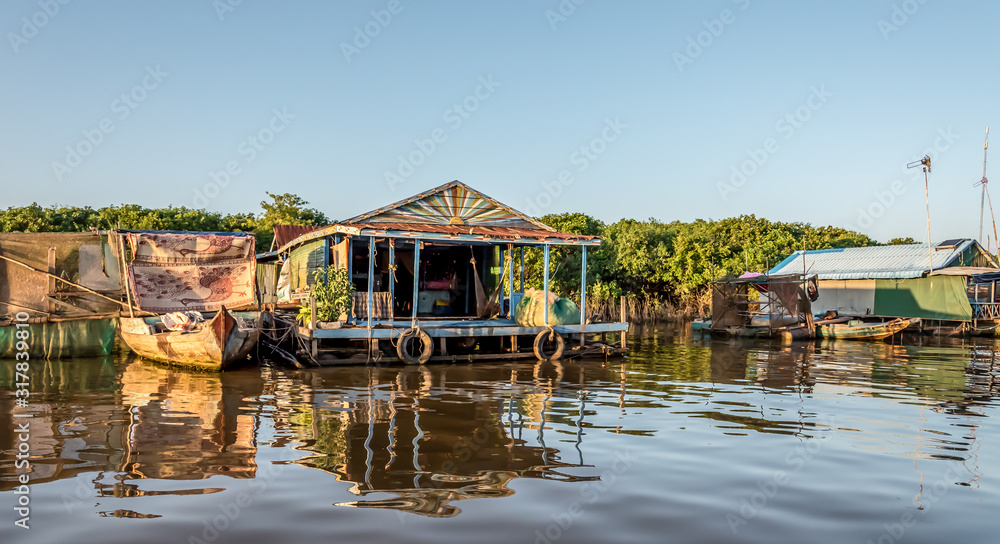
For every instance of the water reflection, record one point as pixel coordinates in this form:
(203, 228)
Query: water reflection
(423, 439)
(432, 436)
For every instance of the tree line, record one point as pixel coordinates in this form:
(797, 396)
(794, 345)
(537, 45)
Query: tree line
(666, 265)
(283, 209)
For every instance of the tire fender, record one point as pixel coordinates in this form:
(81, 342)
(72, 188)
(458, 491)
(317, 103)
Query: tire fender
(542, 352)
(405, 343)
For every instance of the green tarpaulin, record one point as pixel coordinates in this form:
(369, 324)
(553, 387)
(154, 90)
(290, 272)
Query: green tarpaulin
(934, 297)
(80, 338)
(530, 312)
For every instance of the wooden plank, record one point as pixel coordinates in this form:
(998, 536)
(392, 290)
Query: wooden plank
(52, 279)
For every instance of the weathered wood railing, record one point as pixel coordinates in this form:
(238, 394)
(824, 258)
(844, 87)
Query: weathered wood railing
(985, 310)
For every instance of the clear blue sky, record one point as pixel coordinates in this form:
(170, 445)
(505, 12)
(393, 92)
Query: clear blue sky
(665, 121)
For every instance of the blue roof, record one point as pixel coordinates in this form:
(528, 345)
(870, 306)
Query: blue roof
(876, 262)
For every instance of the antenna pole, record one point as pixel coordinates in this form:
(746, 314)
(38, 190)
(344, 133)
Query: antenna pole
(982, 196)
(927, 198)
(926, 163)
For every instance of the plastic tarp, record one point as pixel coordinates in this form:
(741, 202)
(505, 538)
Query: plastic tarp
(530, 311)
(934, 297)
(82, 258)
(78, 338)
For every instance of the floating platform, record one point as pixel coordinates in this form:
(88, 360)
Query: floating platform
(506, 340)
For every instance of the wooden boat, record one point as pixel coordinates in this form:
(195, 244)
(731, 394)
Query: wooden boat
(222, 342)
(859, 330)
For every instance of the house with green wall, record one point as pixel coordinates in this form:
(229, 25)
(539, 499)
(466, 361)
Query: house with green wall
(952, 281)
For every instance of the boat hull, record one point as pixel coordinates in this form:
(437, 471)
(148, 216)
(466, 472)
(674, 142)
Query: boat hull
(877, 331)
(218, 345)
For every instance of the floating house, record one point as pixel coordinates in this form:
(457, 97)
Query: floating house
(952, 286)
(435, 276)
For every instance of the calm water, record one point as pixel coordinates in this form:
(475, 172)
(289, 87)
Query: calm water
(687, 440)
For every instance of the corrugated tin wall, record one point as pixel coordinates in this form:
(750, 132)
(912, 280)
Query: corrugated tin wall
(303, 261)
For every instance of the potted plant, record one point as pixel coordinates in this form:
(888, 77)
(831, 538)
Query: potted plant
(334, 292)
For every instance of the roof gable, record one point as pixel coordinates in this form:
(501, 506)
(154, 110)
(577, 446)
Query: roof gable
(453, 203)
(875, 262)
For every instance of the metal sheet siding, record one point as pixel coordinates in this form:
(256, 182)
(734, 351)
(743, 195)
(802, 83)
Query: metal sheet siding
(861, 263)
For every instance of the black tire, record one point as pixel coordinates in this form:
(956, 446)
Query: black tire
(549, 345)
(405, 347)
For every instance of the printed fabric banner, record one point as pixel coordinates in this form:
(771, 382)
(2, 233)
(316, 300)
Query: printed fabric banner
(191, 272)
(191, 248)
(163, 288)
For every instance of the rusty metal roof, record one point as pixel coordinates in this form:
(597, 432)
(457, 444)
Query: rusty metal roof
(506, 233)
(286, 233)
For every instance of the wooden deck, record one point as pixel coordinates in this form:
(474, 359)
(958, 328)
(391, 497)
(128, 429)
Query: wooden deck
(457, 328)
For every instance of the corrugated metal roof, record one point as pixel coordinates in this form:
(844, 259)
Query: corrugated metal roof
(877, 262)
(286, 233)
(506, 233)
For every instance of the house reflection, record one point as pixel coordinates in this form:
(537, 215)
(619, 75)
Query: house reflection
(432, 436)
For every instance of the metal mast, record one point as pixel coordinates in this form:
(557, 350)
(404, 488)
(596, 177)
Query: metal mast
(926, 162)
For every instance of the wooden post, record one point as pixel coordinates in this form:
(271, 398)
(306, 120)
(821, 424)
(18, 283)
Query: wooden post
(392, 278)
(312, 312)
(52, 279)
(120, 242)
(416, 279)
(371, 278)
(522, 269)
(583, 297)
(350, 270)
(624, 320)
(545, 282)
(510, 281)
